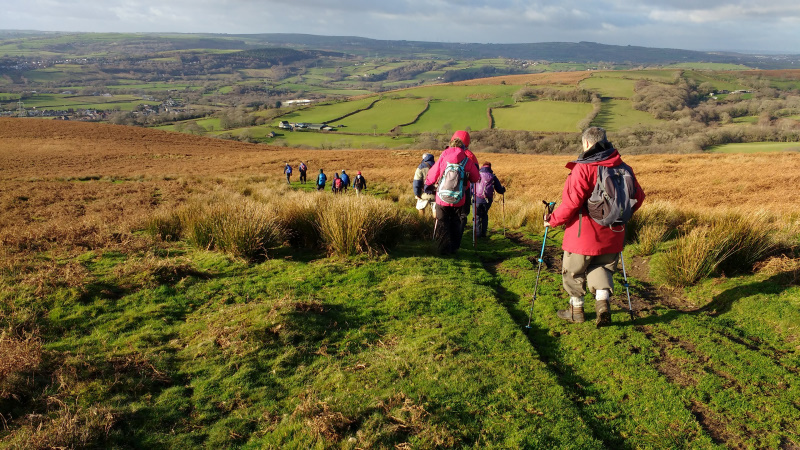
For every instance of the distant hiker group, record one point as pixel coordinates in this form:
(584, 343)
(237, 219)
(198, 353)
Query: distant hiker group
(340, 183)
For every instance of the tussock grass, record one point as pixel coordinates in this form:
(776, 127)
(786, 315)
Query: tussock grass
(654, 223)
(20, 356)
(63, 428)
(728, 242)
(235, 225)
(352, 225)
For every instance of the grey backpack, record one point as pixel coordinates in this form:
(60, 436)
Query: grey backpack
(614, 196)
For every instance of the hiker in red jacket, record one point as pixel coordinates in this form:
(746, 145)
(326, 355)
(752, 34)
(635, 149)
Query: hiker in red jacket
(452, 172)
(591, 250)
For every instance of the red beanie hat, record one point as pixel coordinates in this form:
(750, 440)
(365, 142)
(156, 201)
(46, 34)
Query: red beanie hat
(463, 135)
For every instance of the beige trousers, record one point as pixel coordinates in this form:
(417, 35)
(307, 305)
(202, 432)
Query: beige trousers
(580, 271)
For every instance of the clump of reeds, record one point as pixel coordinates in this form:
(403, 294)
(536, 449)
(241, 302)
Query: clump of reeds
(165, 224)
(652, 224)
(727, 242)
(349, 225)
(237, 225)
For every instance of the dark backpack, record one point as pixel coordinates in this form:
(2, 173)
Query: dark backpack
(485, 187)
(614, 195)
(358, 183)
(451, 185)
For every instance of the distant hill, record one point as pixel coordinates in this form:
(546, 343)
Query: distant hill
(580, 52)
(573, 52)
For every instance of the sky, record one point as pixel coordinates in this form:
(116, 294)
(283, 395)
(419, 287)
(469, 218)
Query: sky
(755, 26)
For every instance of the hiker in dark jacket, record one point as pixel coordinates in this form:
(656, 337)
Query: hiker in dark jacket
(591, 250)
(336, 184)
(288, 171)
(302, 168)
(321, 179)
(464, 213)
(345, 180)
(359, 183)
(484, 193)
(418, 184)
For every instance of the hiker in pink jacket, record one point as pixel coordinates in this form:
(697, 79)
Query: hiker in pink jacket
(450, 177)
(591, 250)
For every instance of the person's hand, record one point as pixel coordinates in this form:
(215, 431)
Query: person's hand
(546, 219)
(418, 198)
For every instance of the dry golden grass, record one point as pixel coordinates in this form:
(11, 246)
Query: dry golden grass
(130, 173)
(19, 356)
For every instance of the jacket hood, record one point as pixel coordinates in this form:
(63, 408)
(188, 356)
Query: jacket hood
(463, 135)
(602, 153)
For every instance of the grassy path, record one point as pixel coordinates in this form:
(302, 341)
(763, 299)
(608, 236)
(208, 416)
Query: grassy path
(703, 378)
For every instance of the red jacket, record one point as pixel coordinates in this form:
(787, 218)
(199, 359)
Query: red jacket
(583, 235)
(452, 155)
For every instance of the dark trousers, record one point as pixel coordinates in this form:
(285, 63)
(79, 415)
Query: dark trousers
(303, 176)
(463, 214)
(483, 218)
(448, 229)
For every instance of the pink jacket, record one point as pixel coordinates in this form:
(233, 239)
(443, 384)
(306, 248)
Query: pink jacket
(583, 235)
(452, 155)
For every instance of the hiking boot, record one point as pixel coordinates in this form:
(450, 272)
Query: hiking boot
(572, 314)
(603, 313)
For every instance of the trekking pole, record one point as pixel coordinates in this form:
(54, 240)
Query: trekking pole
(503, 196)
(549, 208)
(474, 217)
(625, 276)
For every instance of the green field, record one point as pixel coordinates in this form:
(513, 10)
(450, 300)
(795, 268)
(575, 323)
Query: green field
(329, 112)
(756, 147)
(609, 86)
(310, 139)
(657, 75)
(449, 92)
(709, 66)
(459, 115)
(618, 114)
(542, 116)
(61, 101)
(384, 115)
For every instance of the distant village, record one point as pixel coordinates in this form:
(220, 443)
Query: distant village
(143, 110)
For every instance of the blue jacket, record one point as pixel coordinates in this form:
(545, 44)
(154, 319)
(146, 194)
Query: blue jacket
(321, 179)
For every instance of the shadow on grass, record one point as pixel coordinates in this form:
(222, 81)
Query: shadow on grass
(722, 303)
(547, 346)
